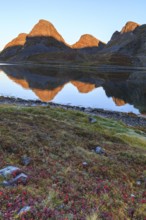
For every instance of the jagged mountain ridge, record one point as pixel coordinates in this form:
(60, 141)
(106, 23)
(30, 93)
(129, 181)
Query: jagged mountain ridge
(43, 40)
(121, 38)
(44, 43)
(130, 41)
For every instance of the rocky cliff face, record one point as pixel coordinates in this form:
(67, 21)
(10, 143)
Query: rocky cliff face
(122, 38)
(131, 42)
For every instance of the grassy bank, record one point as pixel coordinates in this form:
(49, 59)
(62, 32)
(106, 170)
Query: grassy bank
(67, 179)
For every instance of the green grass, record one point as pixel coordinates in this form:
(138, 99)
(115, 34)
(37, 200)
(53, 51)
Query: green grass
(60, 187)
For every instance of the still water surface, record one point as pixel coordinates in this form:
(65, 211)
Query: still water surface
(118, 90)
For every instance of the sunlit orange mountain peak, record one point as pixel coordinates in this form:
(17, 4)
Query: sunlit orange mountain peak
(129, 26)
(45, 29)
(18, 41)
(87, 40)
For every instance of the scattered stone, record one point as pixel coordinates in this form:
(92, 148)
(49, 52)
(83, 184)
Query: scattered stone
(88, 110)
(99, 150)
(13, 176)
(26, 160)
(9, 170)
(85, 163)
(19, 179)
(92, 120)
(61, 207)
(44, 104)
(33, 104)
(138, 182)
(24, 210)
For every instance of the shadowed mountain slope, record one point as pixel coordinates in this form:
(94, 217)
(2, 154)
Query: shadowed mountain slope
(129, 42)
(44, 44)
(14, 46)
(43, 38)
(18, 41)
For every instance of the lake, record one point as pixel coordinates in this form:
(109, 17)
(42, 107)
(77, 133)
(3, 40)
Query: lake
(111, 89)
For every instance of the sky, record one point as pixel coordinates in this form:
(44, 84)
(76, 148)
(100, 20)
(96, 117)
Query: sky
(72, 18)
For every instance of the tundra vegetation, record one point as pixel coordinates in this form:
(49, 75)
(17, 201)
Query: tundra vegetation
(67, 178)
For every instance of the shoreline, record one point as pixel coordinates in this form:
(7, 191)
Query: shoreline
(129, 119)
(61, 64)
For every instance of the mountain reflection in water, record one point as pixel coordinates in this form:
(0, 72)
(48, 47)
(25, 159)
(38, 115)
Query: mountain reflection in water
(119, 90)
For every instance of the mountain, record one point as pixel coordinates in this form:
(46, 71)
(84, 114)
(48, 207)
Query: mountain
(45, 29)
(88, 41)
(129, 26)
(122, 38)
(44, 44)
(129, 42)
(44, 34)
(43, 38)
(18, 41)
(14, 46)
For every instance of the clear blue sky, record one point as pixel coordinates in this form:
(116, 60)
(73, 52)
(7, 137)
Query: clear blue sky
(72, 18)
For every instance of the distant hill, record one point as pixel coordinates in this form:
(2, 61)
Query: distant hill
(44, 44)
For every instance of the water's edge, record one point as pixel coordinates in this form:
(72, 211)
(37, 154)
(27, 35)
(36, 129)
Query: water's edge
(129, 119)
